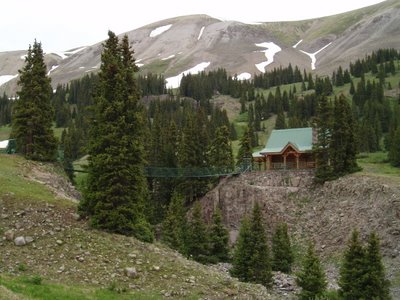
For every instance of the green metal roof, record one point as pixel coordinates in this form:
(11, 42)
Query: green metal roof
(300, 138)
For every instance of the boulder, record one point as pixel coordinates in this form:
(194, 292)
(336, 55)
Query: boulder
(19, 241)
(131, 272)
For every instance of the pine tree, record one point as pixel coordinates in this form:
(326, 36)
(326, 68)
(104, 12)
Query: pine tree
(220, 153)
(282, 253)
(394, 148)
(376, 286)
(245, 151)
(343, 143)
(192, 152)
(33, 113)
(252, 260)
(352, 271)
(261, 256)
(243, 101)
(174, 224)
(116, 188)
(241, 263)
(219, 239)
(323, 125)
(339, 77)
(197, 242)
(280, 121)
(311, 278)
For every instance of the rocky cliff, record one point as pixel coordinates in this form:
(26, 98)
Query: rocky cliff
(326, 214)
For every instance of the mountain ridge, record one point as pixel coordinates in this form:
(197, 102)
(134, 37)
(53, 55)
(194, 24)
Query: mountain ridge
(194, 39)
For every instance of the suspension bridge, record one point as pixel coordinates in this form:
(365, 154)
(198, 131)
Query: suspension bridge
(188, 172)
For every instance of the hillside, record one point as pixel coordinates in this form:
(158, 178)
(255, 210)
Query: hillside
(326, 214)
(64, 259)
(200, 42)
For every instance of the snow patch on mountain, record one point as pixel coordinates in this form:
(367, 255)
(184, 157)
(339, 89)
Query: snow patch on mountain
(201, 32)
(175, 81)
(298, 43)
(243, 76)
(270, 51)
(313, 55)
(160, 30)
(6, 78)
(52, 69)
(65, 54)
(169, 57)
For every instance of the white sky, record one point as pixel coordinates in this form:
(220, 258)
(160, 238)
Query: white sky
(62, 25)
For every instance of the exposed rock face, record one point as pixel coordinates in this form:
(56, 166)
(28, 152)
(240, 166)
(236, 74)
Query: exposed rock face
(326, 213)
(236, 196)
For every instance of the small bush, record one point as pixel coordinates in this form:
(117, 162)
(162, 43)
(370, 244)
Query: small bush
(331, 295)
(36, 280)
(22, 267)
(114, 288)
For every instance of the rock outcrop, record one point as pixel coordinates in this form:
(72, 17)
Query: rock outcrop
(325, 213)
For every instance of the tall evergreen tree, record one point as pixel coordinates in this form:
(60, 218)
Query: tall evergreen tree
(241, 263)
(5, 110)
(280, 122)
(394, 148)
(193, 153)
(376, 286)
(260, 259)
(197, 241)
(282, 253)
(245, 151)
(219, 239)
(257, 267)
(311, 278)
(174, 224)
(220, 153)
(352, 270)
(33, 113)
(343, 146)
(323, 123)
(116, 188)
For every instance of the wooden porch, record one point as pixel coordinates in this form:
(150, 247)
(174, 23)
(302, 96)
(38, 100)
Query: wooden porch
(290, 159)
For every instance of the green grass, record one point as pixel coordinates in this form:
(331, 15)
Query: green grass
(269, 125)
(156, 67)
(5, 132)
(58, 132)
(32, 288)
(377, 164)
(80, 177)
(12, 181)
(284, 87)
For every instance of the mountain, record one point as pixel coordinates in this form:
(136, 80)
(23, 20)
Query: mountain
(200, 42)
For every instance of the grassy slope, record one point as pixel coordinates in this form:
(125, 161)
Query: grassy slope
(376, 164)
(99, 274)
(6, 130)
